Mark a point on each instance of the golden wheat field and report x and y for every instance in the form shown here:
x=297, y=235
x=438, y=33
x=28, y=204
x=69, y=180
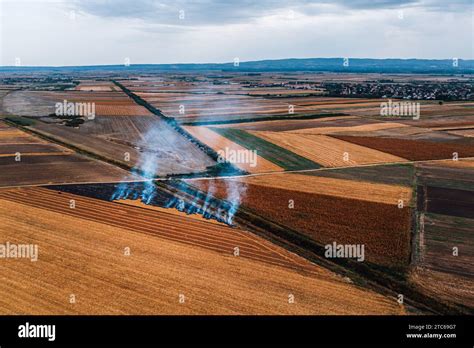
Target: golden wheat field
x=327, y=151
x=360, y=128
x=86, y=259
x=365, y=191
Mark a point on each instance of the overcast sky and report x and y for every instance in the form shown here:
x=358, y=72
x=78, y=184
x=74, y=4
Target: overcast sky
x=90, y=32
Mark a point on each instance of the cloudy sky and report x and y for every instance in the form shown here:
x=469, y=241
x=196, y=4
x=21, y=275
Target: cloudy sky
x=90, y=32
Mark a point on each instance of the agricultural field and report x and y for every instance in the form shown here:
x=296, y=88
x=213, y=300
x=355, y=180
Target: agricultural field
x=276, y=154
x=134, y=141
x=42, y=103
x=395, y=174
x=161, y=267
x=154, y=170
x=327, y=151
x=96, y=86
x=328, y=210
x=22, y=154
x=445, y=202
x=211, y=101
x=224, y=145
x=415, y=150
x=121, y=131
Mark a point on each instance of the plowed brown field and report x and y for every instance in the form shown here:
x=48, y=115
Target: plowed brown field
x=415, y=150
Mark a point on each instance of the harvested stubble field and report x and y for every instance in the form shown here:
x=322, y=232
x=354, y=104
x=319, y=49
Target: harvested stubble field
x=326, y=151
x=49, y=162
x=140, y=136
x=415, y=150
x=13, y=140
x=207, y=235
x=466, y=163
x=139, y=203
x=288, y=125
x=276, y=154
x=370, y=127
x=428, y=110
x=411, y=133
x=332, y=102
x=220, y=143
x=383, y=228
x=76, y=252
x=58, y=169
x=442, y=122
x=463, y=132
x=366, y=191
x=31, y=149
x=447, y=174
x=40, y=104
x=219, y=107
x=96, y=86
x=392, y=174
x=439, y=273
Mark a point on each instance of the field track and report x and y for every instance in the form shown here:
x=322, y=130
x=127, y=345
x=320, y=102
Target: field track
x=214, y=237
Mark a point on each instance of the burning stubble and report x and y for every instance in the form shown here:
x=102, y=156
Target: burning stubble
x=204, y=204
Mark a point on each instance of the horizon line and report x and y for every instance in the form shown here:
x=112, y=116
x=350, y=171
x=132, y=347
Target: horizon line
x=230, y=62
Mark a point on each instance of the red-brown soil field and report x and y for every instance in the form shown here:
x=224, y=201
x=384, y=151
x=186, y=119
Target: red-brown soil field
x=415, y=150
x=383, y=228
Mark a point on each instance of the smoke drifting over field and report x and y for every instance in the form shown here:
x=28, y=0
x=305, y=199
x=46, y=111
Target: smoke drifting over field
x=234, y=192
x=147, y=167
x=191, y=201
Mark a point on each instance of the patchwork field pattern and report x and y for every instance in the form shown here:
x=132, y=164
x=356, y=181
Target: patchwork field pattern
x=446, y=226
x=271, y=152
x=329, y=169
x=43, y=104
x=327, y=212
x=159, y=269
x=220, y=143
x=22, y=154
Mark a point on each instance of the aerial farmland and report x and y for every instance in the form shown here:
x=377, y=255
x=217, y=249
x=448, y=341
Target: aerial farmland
x=221, y=193
x=200, y=172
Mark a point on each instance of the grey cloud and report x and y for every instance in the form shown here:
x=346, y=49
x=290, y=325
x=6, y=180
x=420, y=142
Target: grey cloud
x=212, y=12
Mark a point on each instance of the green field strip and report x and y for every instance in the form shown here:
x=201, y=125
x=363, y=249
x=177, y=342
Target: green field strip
x=280, y=156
